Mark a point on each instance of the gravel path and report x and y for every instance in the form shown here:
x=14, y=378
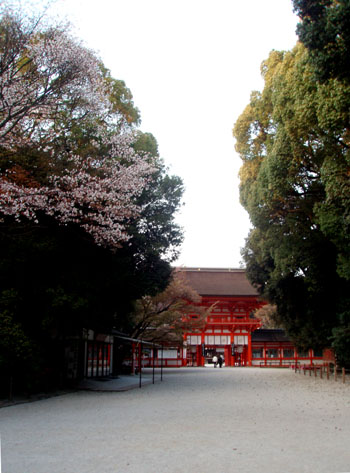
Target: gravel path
x=197, y=420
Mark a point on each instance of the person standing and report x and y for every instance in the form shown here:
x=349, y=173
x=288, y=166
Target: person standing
x=221, y=360
x=215, y=360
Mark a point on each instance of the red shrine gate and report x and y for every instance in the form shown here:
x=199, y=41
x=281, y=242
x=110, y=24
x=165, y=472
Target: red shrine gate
x=230, y=323
x=230, y=329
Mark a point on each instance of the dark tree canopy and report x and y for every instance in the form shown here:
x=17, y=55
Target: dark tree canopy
x=325, y=31
x=56, y=278
x=293, y=139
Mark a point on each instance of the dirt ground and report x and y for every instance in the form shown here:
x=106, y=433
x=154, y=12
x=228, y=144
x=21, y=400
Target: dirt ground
x=197, y=420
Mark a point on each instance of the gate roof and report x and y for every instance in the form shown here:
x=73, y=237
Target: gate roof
x=219, y=282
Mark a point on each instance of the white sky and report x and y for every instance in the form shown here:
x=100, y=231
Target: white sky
x=191, y=66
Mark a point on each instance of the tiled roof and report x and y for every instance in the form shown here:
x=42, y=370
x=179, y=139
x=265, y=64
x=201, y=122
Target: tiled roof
x=219, y=282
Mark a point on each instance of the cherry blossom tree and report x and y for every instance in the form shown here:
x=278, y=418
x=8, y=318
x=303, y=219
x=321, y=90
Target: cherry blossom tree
x=42, y=69
x=49, y=83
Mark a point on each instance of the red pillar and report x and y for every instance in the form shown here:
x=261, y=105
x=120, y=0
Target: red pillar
x=249, y=354
x=199, y=355
x=227, y=356
x=232, y=358
x=183, y=358
x=202, y=358
x=133, y=356
x=280, y=351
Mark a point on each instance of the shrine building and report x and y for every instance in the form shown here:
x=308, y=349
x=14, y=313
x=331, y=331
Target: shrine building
x=231, y=301
x=231, y=329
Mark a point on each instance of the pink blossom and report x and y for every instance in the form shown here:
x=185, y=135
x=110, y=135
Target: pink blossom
x=44, y=74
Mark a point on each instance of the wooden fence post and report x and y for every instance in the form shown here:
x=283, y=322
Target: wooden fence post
x=343, y=374
x=321, y=372
x=327, y=370
x=335, y=372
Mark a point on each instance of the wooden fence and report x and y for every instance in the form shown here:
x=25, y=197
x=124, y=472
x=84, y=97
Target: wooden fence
x=325, y=370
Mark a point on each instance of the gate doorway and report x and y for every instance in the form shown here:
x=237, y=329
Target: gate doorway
x=210, y=352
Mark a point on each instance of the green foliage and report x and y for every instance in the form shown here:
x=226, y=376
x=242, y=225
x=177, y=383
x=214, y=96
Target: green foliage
x=146, y=142
x=325, y=30
x=293, y=140
x=19, y=355
x=155, y=233
x=341, y=341
x=121, y=97
x=15, y=346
